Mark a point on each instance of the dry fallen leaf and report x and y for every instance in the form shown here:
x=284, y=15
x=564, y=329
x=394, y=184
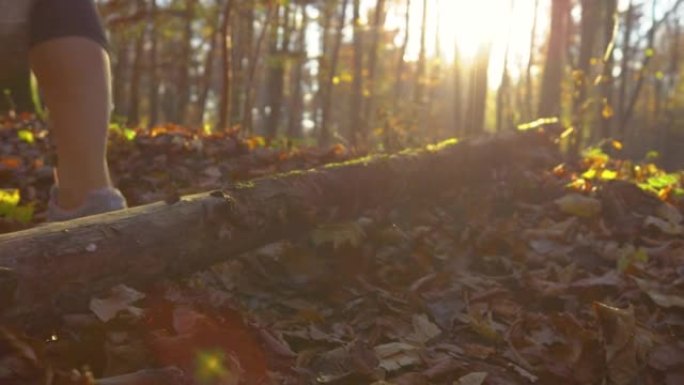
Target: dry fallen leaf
x=657, y=293
x=396, y=355
x=667, y=227
x=121, y=298
x=579, y=205
x=423, y=329
x=338, y=234
x=618, y=328
x=475, y=378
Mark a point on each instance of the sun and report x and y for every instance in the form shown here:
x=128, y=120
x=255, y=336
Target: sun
x=470, y=24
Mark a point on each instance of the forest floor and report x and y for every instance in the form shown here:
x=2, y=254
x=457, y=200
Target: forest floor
x=569, y=275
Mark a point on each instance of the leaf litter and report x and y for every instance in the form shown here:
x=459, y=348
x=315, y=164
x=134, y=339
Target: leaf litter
x=544, y=277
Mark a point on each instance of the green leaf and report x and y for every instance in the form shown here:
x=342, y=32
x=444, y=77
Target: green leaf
x=10, y=209
x=662, y=181
x=129, y=134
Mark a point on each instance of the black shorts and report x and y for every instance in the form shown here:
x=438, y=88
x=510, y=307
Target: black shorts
x=51, y=19
x=27, y=23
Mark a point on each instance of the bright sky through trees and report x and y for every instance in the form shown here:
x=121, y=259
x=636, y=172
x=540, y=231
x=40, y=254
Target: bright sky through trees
x=468, y=24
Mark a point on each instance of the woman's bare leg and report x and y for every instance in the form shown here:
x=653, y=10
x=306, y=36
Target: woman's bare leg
x=74, y=75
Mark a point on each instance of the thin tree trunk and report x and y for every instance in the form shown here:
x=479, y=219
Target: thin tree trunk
x=247, y=122
x=626, y=60
x=325, y=22
x=330, y=86
x=207, y=77
x=226, y=70
x=477, y=97
x=136, y=76
x=183, y=90
x=589, y=30
x=294, y=126
x=401, y=64
x=550, y=97
x=529, y=87
x=607, y=83
x=421, y=75
x=649, y=53
x=357, y=130
x=154, y=71
x=276, y=72
x=378, y=22
x=458, y=91
x=120, y=71
x=503, y=94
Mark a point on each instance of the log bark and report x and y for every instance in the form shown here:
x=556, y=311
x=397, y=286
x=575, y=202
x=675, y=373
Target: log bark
x=61, y=265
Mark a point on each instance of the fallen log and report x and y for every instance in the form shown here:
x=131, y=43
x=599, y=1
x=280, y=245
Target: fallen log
x=55, y=266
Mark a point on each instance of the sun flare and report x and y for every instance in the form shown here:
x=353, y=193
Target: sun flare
x=469, y=25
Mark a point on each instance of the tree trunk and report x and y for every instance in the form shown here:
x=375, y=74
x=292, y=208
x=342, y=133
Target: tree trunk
x=529, y=87
x=136, y=76
x=119, y=75
x=607, y=85
x=59, y=266
x=247, y=121
x=226, y=70
x=183, y=89
x=589, y=30
x=154, y=71
x=477, y=97
x=504, y=120
x=207, y=78
x=626, y=60
x=421, y=71
x=550, y=97
x=357, y=130
x=378, y=22
x=294, y=125
x=458, y=92
x=325, y=136
x=275, y=78
x=401, y=64
x=646, y=61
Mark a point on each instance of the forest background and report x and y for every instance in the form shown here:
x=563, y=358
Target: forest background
x=394, y=73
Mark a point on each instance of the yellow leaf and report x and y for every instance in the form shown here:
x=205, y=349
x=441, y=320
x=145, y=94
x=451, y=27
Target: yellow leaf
x=607, y=111
x=10, y=197
x=650, y=52
x=336, y=80
x=26, y=136
x=608, y=175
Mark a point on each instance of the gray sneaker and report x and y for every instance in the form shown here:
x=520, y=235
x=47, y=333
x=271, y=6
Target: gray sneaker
x=97, y=202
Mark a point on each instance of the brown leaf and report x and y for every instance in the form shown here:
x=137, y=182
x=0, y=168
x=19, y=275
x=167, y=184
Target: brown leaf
x=618, y=327
x=121, y=298
x=397, y=355
x=658, y=294
x=475, y=378
x=579, y=205
x=423, y=329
